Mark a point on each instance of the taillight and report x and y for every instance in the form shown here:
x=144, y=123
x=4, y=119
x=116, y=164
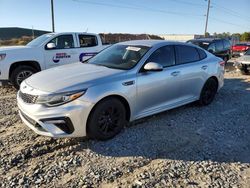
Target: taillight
x=222, y=63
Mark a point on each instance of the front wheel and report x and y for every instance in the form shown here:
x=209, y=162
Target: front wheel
x=208, y=92
x=107, y=119
x=21, y=73
x=244, y=70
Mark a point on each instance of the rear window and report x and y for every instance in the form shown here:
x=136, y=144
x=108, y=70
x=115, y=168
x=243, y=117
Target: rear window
x=87, y=41
x=186, y=54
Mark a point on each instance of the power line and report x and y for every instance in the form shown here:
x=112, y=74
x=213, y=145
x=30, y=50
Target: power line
x=230, y=11
x=138, y=8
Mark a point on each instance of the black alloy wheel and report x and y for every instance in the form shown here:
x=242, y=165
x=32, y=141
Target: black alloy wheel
x=107, y=119
x=208, y=92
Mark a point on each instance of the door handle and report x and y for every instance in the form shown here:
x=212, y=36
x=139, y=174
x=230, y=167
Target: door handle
x=204, y=67
x=175, y=73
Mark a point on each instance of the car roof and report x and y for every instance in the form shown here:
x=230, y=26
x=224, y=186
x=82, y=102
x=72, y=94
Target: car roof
x=150, y=43
x=207, y=39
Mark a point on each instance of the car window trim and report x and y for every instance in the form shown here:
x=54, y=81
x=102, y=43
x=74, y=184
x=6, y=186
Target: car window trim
x=142, y=69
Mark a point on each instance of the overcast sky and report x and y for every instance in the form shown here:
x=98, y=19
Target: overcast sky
x=128, y=16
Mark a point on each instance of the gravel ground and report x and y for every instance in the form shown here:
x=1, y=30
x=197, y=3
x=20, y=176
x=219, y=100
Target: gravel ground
x=190, y=146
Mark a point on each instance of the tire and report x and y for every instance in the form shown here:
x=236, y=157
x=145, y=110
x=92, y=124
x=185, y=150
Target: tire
x=21, y=73
x=244, y=70
x=208, y=92
x=225, y=59
x=107, y=119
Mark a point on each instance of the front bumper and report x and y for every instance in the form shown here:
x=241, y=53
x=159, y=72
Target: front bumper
x=68, y=120
x=4, y=82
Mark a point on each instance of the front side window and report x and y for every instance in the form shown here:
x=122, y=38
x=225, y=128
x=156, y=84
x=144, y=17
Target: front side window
x=63, y=42
x=87, y=41
x=186, y=54
x=120, y=56
x=164, y=56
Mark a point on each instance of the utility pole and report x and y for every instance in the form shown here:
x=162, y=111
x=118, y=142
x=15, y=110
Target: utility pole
x=208, y=8
x=52, y=14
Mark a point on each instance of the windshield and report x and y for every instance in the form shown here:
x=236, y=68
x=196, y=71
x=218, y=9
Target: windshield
x=120, y=56
x=39, y=40
x=201, y=44
x=247, y=52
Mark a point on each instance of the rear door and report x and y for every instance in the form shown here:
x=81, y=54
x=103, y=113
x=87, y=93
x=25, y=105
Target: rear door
x=63, y=53
x=192, y=67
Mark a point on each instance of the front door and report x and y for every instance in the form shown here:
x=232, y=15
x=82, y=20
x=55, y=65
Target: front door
x=63, y=53
x=157, y=89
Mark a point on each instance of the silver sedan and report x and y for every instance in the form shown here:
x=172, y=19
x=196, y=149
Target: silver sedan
x=125, y=82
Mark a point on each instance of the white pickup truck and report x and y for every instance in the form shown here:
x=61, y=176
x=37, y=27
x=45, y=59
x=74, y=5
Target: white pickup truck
x=47, y=51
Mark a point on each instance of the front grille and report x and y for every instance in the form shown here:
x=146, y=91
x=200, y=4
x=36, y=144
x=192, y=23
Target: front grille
x=27, y=98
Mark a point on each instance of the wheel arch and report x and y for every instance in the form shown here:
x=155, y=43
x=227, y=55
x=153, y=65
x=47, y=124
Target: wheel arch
x=120, y=98
x=33, y=64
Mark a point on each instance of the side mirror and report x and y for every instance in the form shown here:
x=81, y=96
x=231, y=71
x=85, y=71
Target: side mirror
x=151, y=66
x=51, y=45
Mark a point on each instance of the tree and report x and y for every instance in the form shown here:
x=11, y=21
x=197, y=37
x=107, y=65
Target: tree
x=245, y=36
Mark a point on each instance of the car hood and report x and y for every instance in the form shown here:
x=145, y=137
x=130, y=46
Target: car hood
x=71, y=77
x=9, y=48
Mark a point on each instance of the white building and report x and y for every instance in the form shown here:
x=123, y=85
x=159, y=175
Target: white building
x=180, y=37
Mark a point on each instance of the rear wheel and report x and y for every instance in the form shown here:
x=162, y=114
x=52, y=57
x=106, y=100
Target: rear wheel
x=107, y=119
x=21, y=73
x=208, y=92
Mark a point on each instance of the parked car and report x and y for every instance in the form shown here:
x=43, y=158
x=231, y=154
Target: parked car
x=243, y=62
x=219, y=47
x=47, y=51
x=125, y=82
x=240, y=48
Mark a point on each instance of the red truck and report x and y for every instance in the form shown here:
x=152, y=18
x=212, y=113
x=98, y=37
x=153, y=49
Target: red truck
x=237, y=49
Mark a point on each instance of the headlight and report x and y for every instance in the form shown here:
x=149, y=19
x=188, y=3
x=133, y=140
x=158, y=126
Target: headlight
x=59, y=98
x=2, y=56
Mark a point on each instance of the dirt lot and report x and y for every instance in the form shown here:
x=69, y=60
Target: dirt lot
x=190, y=146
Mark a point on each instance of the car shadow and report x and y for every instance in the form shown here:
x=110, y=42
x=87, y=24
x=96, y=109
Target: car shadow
x=218, y=132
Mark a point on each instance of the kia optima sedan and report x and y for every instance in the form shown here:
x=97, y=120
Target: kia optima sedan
x=125, y=82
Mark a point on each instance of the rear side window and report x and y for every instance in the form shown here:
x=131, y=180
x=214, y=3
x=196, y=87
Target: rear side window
x=164, y=56
x=202, y=54
x=219, y=45
x=87, y=41
x=186, y=54
x=227, y=44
